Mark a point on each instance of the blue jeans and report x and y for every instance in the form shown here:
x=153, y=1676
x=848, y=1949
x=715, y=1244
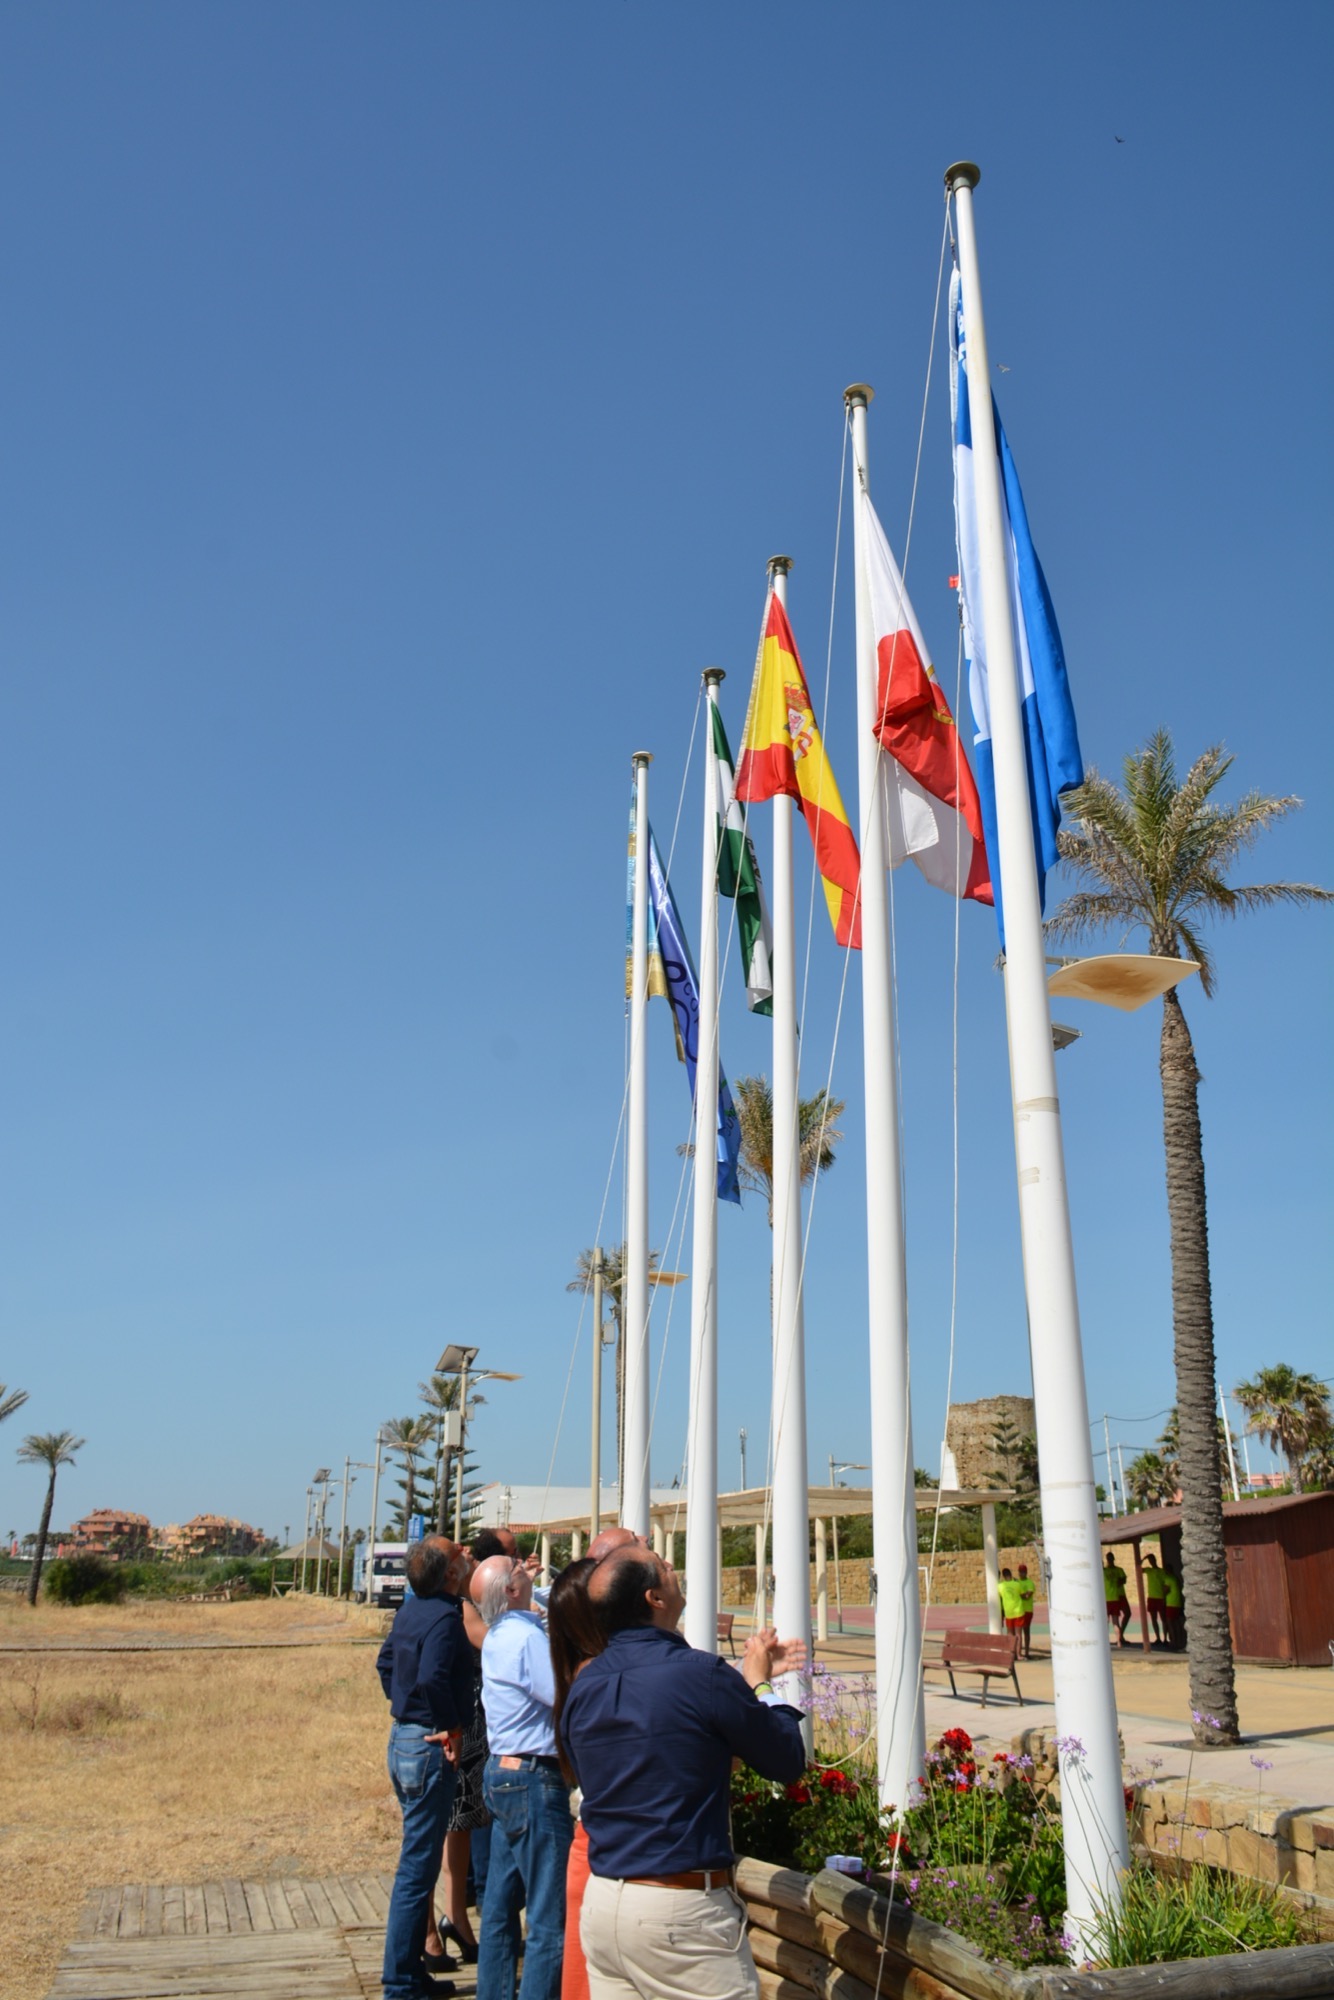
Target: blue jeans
x=424, y=1784
x=531, y=1832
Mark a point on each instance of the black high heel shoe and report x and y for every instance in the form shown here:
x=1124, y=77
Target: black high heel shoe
x=449, y=1934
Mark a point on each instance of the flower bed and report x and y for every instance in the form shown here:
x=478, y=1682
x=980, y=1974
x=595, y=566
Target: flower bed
x=830, y=1937
x=978, y=1858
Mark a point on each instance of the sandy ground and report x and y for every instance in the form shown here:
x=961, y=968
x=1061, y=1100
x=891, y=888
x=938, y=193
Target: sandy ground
x=202, y=1757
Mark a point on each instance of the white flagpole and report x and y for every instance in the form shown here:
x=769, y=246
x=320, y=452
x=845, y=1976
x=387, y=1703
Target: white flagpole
x=791, y=1501
x=1092, y=1805
x=702, y=1577
x=901, y=1731
x=703, y=1581
x=635, y=1480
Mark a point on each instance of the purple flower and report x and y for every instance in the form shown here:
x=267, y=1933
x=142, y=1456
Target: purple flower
x=1070, y=1746
x=1262, y=1763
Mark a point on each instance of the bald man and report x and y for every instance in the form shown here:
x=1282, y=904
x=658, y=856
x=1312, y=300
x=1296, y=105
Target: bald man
x=651, y=1727
x=614, y=1538
x=527, y=1797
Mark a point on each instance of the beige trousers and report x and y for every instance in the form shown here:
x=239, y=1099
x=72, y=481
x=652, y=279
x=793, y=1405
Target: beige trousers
x=665, y=1944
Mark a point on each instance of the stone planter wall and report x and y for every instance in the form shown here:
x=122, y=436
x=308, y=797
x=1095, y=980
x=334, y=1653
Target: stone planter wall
x=826, y=1937
x=1279, y=1841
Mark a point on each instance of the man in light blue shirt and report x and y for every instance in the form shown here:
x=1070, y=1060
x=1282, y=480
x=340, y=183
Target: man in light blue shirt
x=523, y=1787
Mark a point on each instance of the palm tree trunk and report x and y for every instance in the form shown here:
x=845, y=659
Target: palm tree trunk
x=1203, y=1558
x=35, y=1579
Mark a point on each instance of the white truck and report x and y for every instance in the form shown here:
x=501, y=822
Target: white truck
x=387, y=1580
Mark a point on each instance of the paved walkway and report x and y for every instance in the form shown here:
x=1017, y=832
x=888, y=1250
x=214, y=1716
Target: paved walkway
x=1287, y=1714
x=281, y=1939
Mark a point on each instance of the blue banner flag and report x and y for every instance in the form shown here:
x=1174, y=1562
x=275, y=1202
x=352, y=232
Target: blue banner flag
x=1051, y=740
x=672, y=974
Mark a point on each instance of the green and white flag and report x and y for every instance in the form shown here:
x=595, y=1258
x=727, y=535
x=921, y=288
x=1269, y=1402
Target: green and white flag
x=739, y=876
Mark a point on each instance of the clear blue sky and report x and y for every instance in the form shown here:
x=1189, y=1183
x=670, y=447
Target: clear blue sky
x=399, y=407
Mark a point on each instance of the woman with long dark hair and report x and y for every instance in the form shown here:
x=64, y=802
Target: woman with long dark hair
x=575, y=1637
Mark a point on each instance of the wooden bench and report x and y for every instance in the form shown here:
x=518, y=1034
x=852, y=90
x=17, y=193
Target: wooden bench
x=726, y=1620
x=985, y=1653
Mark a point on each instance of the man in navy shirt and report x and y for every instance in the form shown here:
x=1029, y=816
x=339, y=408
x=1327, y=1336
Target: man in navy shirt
x=426, y=1670
x=651, y=1728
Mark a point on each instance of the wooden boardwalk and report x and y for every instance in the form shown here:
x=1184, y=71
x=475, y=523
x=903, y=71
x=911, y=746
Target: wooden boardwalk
x=281, y=1939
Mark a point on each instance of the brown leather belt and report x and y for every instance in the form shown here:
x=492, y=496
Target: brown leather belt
x=693, y=1878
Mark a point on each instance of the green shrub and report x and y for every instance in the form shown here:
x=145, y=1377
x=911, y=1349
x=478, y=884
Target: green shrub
x=83, y=1580
x=1201, y=1915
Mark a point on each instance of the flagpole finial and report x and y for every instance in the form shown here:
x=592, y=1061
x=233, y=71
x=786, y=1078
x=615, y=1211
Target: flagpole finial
x=779, y=565
x=962, y=174
x=858, y=392
x=712, y=676
x=642, y=759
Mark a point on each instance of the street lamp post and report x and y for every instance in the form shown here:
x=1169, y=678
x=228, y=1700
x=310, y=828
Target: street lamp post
x=305, y=1540
x=458, y=1360
x=342, y=1526
x=595, y=1488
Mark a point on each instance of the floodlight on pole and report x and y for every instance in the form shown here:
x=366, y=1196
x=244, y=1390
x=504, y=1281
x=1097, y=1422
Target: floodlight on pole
x=1124, y=979
x=458, y=1360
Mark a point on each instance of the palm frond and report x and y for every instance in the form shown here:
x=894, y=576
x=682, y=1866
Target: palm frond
x=1087, y=911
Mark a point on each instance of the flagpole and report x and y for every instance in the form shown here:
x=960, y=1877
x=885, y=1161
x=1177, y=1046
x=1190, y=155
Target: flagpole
x=900, y=1728
x=1092, y=1804
x=702, y=1577
x=635, y=1479
x=791, y=1503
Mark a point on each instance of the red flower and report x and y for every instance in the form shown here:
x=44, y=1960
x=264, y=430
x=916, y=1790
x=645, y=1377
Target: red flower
x=836, y=1781
x=897, y=1843
x=957, y=1741
x=799, y=1794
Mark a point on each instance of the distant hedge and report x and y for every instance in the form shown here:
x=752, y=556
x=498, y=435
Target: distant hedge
x=83, y=1580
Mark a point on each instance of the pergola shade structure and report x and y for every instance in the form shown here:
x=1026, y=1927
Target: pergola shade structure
x=753, y=1507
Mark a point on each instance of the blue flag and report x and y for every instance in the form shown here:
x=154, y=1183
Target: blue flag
x=671, y=973
x=1051, y=740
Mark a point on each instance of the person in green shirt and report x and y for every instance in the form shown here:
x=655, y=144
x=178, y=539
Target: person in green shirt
x=1029, y=1592
x=1155, y=1584
x=1012, y=1605
x=1114, y=1590
x=1172, y=1610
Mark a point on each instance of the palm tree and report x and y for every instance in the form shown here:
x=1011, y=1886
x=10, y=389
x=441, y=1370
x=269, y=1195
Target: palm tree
x=613, y=1281
x=1169, y=1448
x=1287, y=1410
x=409, y=1437
x=11, y=1400
x=1156, y=856
x=1150, y=1480
x=55, y=1449
x=817, y=1135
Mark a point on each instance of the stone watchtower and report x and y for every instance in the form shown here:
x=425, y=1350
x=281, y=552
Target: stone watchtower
x=969, y=1431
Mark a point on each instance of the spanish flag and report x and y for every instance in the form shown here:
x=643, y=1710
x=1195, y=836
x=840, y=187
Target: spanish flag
x=782, y=755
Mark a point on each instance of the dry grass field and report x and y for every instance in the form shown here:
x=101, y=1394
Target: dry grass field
x=180, y=1765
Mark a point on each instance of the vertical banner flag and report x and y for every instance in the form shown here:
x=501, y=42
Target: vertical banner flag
x=739, y=876
x=935, y=815
x=672, y=977
x=1051, y=740
x=782, y=756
